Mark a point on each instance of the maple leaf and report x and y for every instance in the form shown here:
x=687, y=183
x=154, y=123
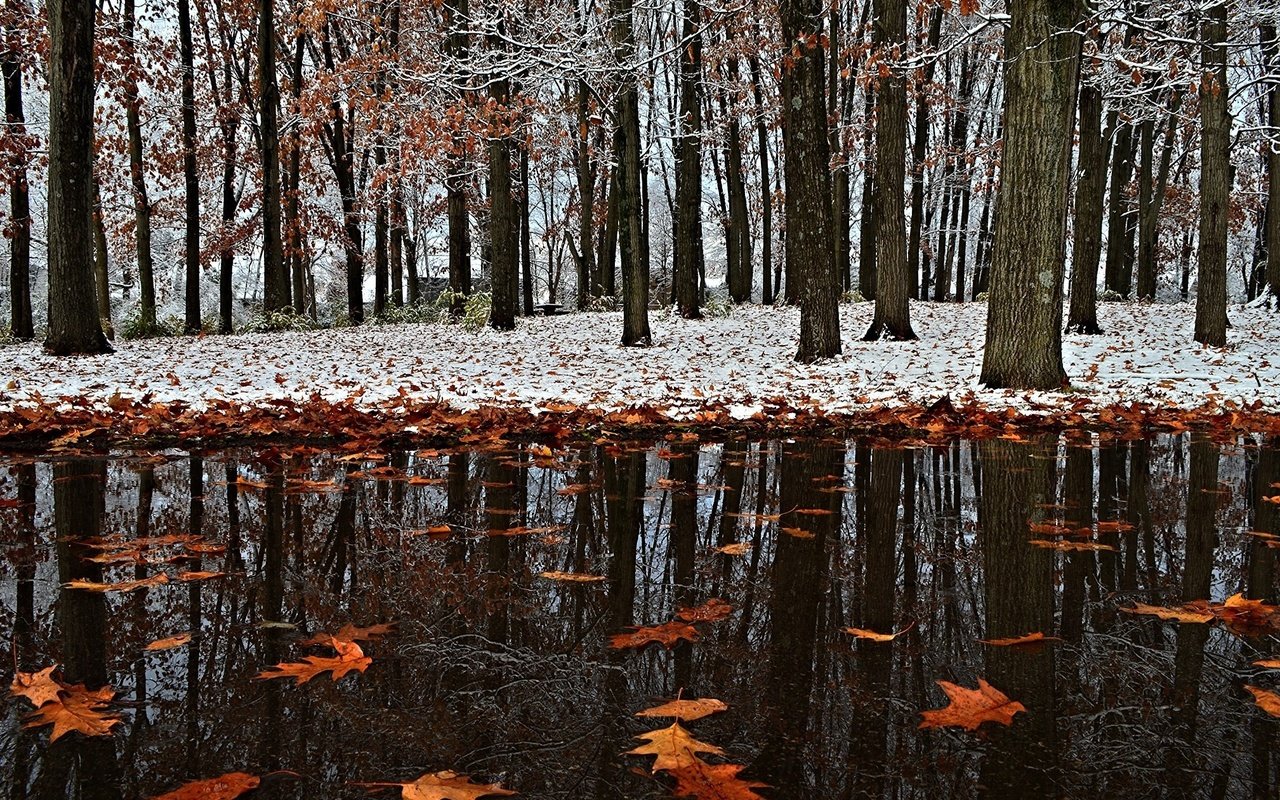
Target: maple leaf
x=223, y=787
x=714, y=610
x=969, y=708
x=687, y=710
x=1268, y=701
x=443, y=785
x=872, y=636
x=169, y=642
x=1019, y=641
x=1245, y=617
x=38, y=687
x=1186, y=613
x=572, y=577
x=673, y=748
x=714, y=782
x=76, y=709
x=667, y=634
x=350, y=658
x=352, y=633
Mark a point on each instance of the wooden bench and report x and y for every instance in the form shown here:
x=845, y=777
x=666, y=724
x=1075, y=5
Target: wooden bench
x=549, y=309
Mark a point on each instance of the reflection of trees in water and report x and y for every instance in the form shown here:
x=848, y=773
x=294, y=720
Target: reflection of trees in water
x=501, y=673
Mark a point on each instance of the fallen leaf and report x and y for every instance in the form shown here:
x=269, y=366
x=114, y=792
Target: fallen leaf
x=223, y=787
x=1070, y=546
x=686, y=710
x=1184, y=614
x=159, y=579
x=1268, y=701
x=969, y=708
x=1245, y=617
x=352, y=633
x=572, y=577
x=1268, y=663
x=38, y=687
x=76, y=709
x=672, y=747
x=667, y=634
x=444, y=785
x=735, y=549
x=714, y=610
x=350, y=658
x=1018, y=641
x=196, y=575
x=714, y=782
x=169, y=643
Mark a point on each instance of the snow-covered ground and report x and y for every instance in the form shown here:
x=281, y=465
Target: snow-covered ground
x=1146, y=355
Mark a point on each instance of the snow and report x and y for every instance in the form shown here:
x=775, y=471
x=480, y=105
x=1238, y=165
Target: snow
x=742, y=362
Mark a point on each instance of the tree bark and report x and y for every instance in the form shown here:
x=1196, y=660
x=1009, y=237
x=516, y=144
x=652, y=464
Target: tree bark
x=868, y=223
x=1215, y=180
x=767, y=288
x=190, y=171
x=138, y=180
x=1149, y=210
x=275, y=280
x=688, y=252
x=74, y=326
x=627, y=190
x=892, y=318
x=919, y=148
x=1091, y=186
x=810, y=244
x=1024, y=315
x=502, y=213
x=21, y=324
x=739, y=267
x=1271, y=49
x=101, y=264
x=526, y=236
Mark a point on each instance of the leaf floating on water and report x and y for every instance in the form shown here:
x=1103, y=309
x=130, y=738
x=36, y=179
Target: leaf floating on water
x=444, y=785
x=169, y=643
x=1071, y=546
x=873, y=636
x=714, y=610
x=352, y=633
x=37, y=687
x=686, y=710
x=1268, y=663
x=969, y=708
x=1245, y=617
x=223, y=787
x=1267, y=701
x=668, y=634
x=714, y=782
x=196, y=575
x=799, y=533
x=350, y=658
x=76, y=709
x=1021, y=641
x=1187, y=613
x=572, y=577
x=673, y=748
x=159, y=579
x=735, y=549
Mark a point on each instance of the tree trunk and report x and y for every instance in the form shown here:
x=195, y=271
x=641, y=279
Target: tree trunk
x=1118, y=209
x=21, y=325
x=275, y=280
x=1091, y=187
x=1024, y=316
x=688, y=155
x=138, y=180
x=1271, y=49
x=810, y=243
x=74, y=326
x=526, y=236
x=1149, y=211
x=502, y=214
x=1215, y=180
x=868, y=224
x=919, y=148
x=587, y=286
x=892, y=318
x=457, y=20
x=631, y=238
x=767, y=288
x=739, y=267
x=190, y=172
x=101, y=264
x=226, y=258
x=341, y=145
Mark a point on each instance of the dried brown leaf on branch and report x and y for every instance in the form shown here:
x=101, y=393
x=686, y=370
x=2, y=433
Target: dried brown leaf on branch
x=668, y=634
x=443, y=785
x=349, y=658
x=672, y=748
x=686, y=710
x=969, y=708
x=223, y=787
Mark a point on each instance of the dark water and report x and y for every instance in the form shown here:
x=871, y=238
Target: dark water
x=507, y=676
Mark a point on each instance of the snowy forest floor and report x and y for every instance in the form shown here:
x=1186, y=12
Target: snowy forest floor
x=729, y=368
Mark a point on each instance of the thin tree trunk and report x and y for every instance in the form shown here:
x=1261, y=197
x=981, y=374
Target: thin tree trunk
x=1091, y=186
x=587, y=286
x=688, y=251
x=1215, y=180
x=502, y=213
x=739, y=267
x=341, y=145
x=892, y=318
x=526, y=236
x=275, y=278
x=1024, y=316
x=1271, y=49
x=810, y=242
x=74, y=326
x=631, y=234
x=1118, y=209
x=767, y=287
x=1149, y=221
x=21, y=325
x=868, y=224
x=190, y=171
x=138, y=180
x=457, y=44
x=101, y=263
x=919, y=148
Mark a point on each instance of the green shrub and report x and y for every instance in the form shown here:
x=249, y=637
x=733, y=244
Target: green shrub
x=409, y=314
x=133, y=327
x=286, y=319
x=717, y=306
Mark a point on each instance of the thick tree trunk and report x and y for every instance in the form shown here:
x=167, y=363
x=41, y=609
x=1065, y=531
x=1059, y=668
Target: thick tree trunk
x=627, y=190
x=502, y=215
x=21, y=325
x=1215, y=180
x=739, y=267
x=892, y=319
x=1024, y=316
x=807, y=169
x=138, y=181
x=74, y=326
x=190, y=172
x=1118, y=210
x=275, y=279
x=1091, y=187
x=688, y=217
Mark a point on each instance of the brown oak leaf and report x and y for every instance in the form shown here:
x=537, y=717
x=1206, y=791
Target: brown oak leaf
x=969, y=708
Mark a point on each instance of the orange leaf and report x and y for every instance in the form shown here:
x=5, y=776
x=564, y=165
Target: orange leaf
x=714, y=782
x=1266, y=700
x=1065, y=546
x=1026, y=639
x=687, y=710
x=713, y=610
x=38, y=687
x=666, y=634
x=1184, y=614
x=350, y=658
x=1245, y=617
x=351, y=633
x=872, y=636
x=1268, y=663
x=572, y=577
x=444, y=785
x=169, y=643
x=673, y=747
x=969, y=708
x=76, y=709
x=735, y=549
x=159, y=579
x=223, y=787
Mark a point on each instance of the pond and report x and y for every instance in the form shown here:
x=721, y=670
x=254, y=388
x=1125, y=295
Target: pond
x=488, y=587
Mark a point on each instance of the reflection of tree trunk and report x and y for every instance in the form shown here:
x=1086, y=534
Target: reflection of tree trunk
x=24, y=622
x=499, y=498
x=195, y=526
x=138, y=600
x=269, y=742
x=1018, y=589
x=1078, y=494
x=78, y=503
x=796, y=591
x=684, y=535
x=1266, y=519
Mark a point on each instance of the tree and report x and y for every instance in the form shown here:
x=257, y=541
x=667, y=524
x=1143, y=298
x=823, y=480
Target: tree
x=626, y=193
x=275, y=278
x=1215, y=179
x=1091, y=186
x=137, y=175
x=810, y=244
x=74, y=326
x=1024, y=314
x=189, y=170
x=20, y=322
x=892, y=315
x=1271, y=50
x=688, y=251
x=502, y=209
